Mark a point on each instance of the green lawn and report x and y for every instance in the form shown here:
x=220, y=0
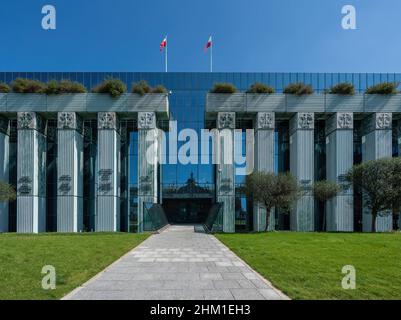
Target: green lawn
x=76, y=257
x=308, y=265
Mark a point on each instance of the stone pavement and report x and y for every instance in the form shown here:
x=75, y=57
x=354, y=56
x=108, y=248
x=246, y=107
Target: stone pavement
x=178, y=264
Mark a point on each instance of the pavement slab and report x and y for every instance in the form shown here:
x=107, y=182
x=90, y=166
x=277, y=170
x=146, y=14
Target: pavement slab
x=178, y=264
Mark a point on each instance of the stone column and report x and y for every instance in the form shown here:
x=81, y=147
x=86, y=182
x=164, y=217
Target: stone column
x=264, y=161
x=225, y=173
x=4, y=168
x=148, y=150
x=108, y=173
x=302, y=167
x=339, y=159
x=376, y=144
x=31, y=174
x=69, y=173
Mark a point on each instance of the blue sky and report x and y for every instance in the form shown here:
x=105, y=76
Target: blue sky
x=249, y=35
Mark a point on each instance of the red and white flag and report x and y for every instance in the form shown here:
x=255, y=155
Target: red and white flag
x=208, y=44
x=163, y=44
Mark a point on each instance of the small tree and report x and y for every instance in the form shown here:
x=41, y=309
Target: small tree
x=375, y=180
x=396, y=189
x=324, y=191
x=271, y=190
x=7, y=192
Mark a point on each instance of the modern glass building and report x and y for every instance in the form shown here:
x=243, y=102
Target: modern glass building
x=315, y=138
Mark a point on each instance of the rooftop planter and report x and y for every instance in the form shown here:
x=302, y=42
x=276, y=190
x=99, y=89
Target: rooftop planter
x=220, y=102
x=17, y=102
x=382, y=103
x=265, y=102
x=307, y=103
x=383, y=97
x=86, y=102
x=344, y=103
x=300, y=97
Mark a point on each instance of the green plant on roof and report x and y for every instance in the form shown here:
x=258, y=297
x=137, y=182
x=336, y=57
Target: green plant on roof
x=260, y=88
x=298, y=89
x=383, y=88
x=223, y=88
x=114, y=87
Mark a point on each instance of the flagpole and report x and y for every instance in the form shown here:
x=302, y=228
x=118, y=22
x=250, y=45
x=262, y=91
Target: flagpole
x=211, y=57
x=166, y=53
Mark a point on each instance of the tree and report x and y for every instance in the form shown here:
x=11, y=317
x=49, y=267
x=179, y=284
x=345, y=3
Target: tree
x=396, y=190
x=7, y=192
x=374, y=179
x=271, y=190
x=323, y=191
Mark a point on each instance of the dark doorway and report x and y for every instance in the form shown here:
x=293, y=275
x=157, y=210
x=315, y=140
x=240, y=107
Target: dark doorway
x=187, y=210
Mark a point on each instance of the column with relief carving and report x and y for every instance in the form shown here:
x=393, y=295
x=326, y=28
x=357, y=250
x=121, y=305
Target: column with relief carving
x=69, y=173
x=4, y=168
x=302, y=127
x=225, y=169
x=148, y=150
x=31, y=174
x=264, y=161
x=339, y=159
x=108, y=173
x=376, y=144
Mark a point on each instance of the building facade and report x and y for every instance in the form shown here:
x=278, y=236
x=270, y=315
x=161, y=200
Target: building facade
x=79, y=162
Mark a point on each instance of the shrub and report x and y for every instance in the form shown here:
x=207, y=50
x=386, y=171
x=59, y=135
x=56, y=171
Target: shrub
x=260, y=88
x=4, y=88
x=64, y=86
x=223, y=88
x=7, y=192
x=113, y=87
x=298, y=89
x=383, y=88
x=141, y=87
x=20, y=85
x=159, y=89
x=343, y=88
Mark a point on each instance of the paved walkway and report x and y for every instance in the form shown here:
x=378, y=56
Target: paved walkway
x=178, y=264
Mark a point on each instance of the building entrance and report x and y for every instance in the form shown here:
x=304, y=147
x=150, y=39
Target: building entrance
x=187, y=210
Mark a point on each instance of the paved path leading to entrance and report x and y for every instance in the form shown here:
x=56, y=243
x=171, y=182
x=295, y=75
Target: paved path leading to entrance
x=178, y=264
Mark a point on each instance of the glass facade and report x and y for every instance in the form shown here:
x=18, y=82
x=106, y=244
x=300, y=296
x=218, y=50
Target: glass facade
x=187, y=106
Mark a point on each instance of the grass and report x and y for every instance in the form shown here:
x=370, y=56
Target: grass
x=76, y=258
x=308, y=265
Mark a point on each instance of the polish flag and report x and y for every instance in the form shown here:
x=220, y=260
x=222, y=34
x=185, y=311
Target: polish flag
x=208, y=44
x=163, y=44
